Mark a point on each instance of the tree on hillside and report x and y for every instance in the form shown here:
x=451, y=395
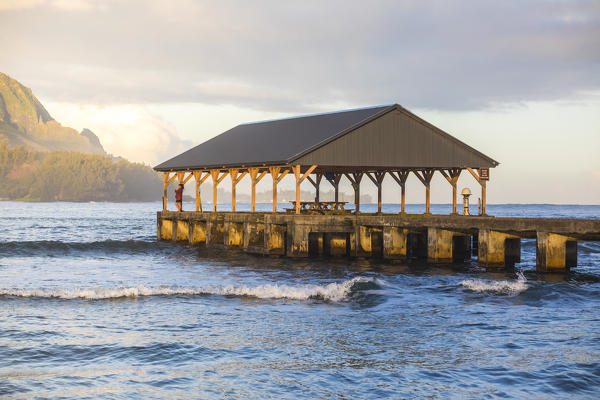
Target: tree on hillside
x=72, y=176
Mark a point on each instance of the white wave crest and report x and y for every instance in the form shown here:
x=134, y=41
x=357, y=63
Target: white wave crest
x=503, y=287
x=331, y=292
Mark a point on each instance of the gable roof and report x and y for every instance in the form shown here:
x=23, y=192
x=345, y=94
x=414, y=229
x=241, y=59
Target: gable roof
x=289, y=140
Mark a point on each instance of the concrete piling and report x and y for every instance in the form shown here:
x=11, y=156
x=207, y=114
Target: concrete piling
x=215, y=228
x=233, y=234
x=275, y=238
x=166, y=230
x=395, y=243
x=362, y=241
x=182, y=231
x=297, y=243
x=439, y=245
x=198, y=232
x=555, y=252
x=498, y=249
x=254, y=235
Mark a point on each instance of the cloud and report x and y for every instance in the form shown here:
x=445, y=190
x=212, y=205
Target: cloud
x=129, y=131
x=296, y=57
x=68, y=5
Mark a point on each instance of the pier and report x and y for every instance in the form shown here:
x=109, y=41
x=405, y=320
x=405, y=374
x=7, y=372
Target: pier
x=437, y=238
x=373, y=143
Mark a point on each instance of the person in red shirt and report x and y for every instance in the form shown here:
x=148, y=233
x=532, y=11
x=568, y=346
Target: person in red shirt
x=179, y=197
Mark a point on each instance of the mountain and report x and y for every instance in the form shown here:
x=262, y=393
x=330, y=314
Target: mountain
x=41, y=160
x=25, y=122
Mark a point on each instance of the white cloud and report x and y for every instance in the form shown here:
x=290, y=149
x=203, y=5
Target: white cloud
x=129, y=131
x=67, y=5
x=19, y=4
x=282, y=56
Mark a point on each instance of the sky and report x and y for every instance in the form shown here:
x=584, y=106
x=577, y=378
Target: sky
x=517, y=80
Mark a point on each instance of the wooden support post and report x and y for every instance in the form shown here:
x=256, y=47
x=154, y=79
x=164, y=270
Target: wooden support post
x=316, y=183
x=377, y=179
x=296, y=170
x=452, y=178
x=403, y=199
x=233, y=173
x=483, y=196
x=214, y=173
x=277, y=175
x=165, y=184
x=274, y=171
x=334, y=179
x=299, y=179
x=357, y=178
x=483, y=184
x=199, y=180
x=425, y=176
x=400, y=177
x=255, y=177
x=318, y=188
x=197, y=175
x=355, y=181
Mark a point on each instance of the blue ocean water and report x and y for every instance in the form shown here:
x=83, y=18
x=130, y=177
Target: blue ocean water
x=91, y=306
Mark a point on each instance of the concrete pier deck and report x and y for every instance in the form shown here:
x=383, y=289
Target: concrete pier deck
x=438, y=238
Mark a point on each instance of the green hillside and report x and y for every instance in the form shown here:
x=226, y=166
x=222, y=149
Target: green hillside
x=71, y=176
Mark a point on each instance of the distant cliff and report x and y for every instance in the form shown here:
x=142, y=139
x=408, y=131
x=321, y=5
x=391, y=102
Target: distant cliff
x=25, y=122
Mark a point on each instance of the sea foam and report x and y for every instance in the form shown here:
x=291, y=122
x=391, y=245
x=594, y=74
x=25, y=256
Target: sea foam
x=331, y=292
x=501, y=287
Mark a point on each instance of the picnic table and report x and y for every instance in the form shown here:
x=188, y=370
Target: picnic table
x=321, y=207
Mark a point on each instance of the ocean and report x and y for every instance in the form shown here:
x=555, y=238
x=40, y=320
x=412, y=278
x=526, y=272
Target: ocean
x=92, y=306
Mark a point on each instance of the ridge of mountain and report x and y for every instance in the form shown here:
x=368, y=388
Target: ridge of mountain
x=24, y=121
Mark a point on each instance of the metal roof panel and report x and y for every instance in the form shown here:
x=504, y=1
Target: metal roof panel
x=268, y=142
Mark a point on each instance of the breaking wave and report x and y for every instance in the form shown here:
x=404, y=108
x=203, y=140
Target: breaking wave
x=332, y=292
x=501, y=287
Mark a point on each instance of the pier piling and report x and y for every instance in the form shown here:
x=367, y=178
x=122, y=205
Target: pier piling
x=197, y=232
x=182, y=230
x=439, y=245
x=498, y=249
x=395, y=243
x=555, y=252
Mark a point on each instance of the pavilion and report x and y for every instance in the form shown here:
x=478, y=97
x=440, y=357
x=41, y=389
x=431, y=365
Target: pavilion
x=370, y=142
